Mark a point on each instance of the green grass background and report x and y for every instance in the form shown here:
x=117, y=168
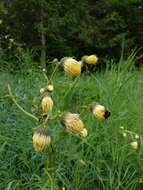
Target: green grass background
x=102, y=161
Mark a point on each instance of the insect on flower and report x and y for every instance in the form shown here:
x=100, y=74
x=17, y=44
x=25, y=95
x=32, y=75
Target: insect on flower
x=100, y=111
x=41, y=139
x=74, y=124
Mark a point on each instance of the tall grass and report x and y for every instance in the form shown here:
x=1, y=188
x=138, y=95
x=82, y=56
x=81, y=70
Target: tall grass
x=102, y=161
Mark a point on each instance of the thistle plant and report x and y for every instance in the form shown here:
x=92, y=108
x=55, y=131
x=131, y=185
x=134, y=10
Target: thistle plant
x=44, y=115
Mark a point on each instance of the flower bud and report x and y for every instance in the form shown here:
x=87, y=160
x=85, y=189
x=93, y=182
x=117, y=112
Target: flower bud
x=41, y=139
x=50, y=88
x=72, y=67
x=100, y=111
x=47, y=104
x=134, y=145
x=42, y=90
x=91, y=59
x=137, y=136
x=74, y=124
x=124, y=134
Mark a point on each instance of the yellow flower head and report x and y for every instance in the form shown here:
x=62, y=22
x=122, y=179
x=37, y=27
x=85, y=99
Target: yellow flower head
x=72, y=67
x=41, y=139
x=100, y=111
x=134, y=145
x=91, y=59
x=47, y=104
x=74, y=124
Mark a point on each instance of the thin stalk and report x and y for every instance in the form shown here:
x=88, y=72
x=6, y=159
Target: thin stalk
x=22, y=109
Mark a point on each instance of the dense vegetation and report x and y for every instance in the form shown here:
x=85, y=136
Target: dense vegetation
x=100, y=42
x=70, y=28
x=104, y=160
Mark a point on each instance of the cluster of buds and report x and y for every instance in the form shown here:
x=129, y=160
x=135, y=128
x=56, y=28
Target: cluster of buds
x=41, y=136
x=134, y=144
x=49, y=88
x=71, y=121
x=73, y=67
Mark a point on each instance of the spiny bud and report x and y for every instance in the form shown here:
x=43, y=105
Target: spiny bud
x=47, y=104
x=100, y=111
x=41, y=139
x=74, y=124
x=72, y=67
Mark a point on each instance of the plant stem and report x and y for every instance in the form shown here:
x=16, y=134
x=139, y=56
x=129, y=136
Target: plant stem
x=22, y=109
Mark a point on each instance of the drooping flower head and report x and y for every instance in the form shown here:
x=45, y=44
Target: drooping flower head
x=91, y=59
x=46, y=104
x=71, y=66
x=41, y=139
x=100, y=111
x=74, y=124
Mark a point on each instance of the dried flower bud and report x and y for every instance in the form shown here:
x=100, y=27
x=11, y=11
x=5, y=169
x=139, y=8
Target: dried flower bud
x=74, y=124
x=134, y=145
x=72, y=67
x=41, y=139
x=100, y=111
x=91, y=59
x=47, y=104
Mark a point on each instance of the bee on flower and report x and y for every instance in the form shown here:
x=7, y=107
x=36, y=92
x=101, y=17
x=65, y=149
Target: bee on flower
x=91, y=59
x=100, y=111
x=46, y=104
x=41, y=139
x=74, y=124
x=71, y=66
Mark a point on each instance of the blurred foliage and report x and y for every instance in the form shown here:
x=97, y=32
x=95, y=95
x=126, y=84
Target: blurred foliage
x=71, y=28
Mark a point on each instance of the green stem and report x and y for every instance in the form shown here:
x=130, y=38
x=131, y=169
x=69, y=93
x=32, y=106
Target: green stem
x=22, y=109
x=71, y=87
x=54, y=72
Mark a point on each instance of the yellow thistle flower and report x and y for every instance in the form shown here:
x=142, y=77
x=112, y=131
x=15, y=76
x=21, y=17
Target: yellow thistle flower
x=74, y=124
x=72, y=67
x=41, y=139
x=134, y=145
x=50, y=88
x=47, y=104
x=91, y=59
x=100, y=111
